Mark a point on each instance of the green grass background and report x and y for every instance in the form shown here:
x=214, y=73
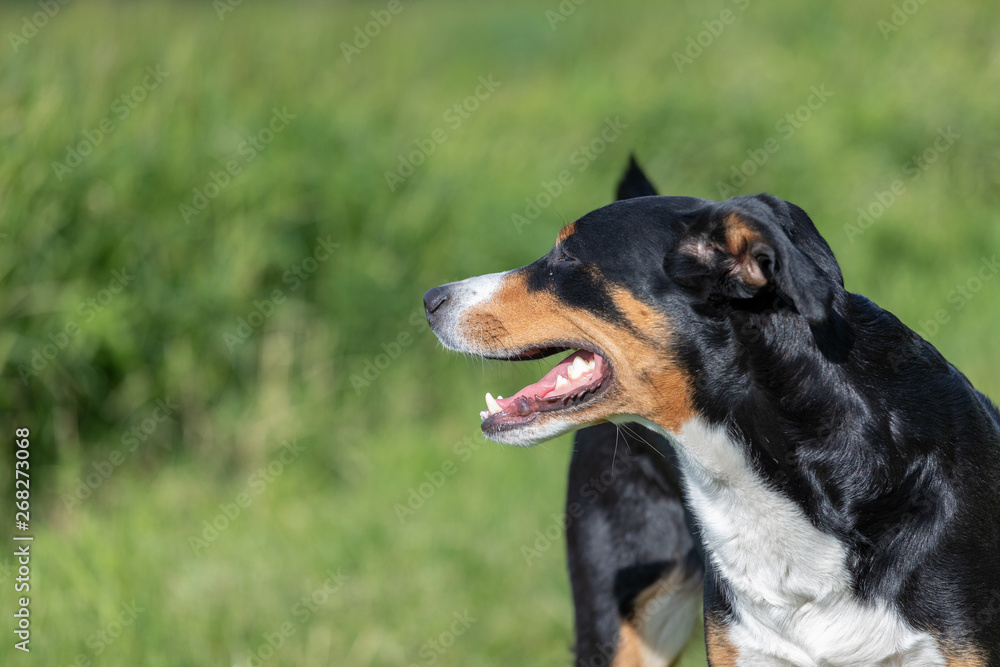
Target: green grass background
x=365, y=448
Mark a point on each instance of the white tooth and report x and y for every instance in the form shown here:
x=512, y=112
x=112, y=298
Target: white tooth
x=484, y=414
x=577, y=368
x=561, y=382
x=492, y=404
x=592, y=364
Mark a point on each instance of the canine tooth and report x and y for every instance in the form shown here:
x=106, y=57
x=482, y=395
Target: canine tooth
x=577, y=368
x=561, y=382
x=492, y=404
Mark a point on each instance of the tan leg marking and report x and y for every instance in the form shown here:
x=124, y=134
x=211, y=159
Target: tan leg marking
x=721, y=653
x=661, y=624
x=629, y=651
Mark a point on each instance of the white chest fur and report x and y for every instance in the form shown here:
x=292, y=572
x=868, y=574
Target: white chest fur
x=793, y=598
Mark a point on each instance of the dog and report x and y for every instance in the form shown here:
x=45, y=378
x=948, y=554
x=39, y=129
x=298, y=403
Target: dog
x=842, y=477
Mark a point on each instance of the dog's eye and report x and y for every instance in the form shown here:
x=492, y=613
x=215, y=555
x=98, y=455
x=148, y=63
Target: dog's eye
x=565, y=257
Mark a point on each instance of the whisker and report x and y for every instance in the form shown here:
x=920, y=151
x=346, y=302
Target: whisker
x=618, y=432
x=639, y=437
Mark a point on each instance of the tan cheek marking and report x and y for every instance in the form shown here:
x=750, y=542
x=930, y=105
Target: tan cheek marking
x=566, y=232
x=721, y=652
x=649, y=383
x=515, y=318
x=655, y=383
x=641, y=316
x=671, y=400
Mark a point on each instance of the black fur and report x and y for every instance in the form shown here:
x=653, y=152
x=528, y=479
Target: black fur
x=849, y=414
x=845, y=410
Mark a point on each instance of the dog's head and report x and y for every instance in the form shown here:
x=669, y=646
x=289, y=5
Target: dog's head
x=646, y=291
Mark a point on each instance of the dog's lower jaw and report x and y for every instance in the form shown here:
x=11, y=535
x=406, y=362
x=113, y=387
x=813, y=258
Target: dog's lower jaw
x=545, y=426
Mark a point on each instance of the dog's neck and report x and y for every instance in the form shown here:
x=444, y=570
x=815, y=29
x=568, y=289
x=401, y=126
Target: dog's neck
x=774, y=562
x=758, y=539
x=776, y=385
x=782, y=430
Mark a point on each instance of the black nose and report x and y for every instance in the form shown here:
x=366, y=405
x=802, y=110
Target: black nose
x=434, y=298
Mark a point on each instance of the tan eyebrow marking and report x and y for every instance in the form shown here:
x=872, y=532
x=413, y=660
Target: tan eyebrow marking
x=566, y=232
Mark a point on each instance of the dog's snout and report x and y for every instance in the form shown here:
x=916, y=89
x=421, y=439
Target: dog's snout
x=434, y=298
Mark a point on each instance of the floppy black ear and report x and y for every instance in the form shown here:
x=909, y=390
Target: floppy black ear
x=740, y=249
x=634, y=182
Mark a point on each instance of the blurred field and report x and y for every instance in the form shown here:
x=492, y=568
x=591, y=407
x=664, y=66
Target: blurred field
x=86, y=359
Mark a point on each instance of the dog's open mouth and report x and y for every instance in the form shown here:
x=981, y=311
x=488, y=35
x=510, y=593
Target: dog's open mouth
x=574, y=381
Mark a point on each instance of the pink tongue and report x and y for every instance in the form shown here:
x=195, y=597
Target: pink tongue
x=547, y=385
